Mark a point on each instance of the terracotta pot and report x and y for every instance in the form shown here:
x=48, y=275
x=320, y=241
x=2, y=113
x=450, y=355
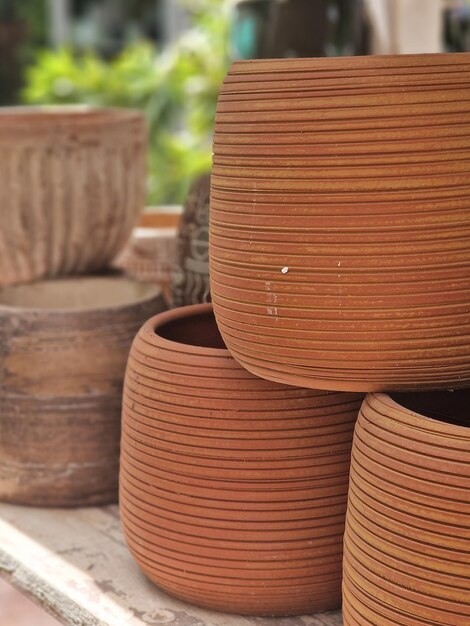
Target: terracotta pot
x=407, y=557
x=63, y=349
x=150, y=253
x=73, y=185
x=340, y=222
x=233, y=488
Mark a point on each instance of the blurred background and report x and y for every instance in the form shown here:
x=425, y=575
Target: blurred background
x=168, y=57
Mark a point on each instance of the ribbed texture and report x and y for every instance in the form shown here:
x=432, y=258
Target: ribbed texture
x=73, y=185
x=233, y=489
x=407, y=540
x=352, y=175
x=61, y=377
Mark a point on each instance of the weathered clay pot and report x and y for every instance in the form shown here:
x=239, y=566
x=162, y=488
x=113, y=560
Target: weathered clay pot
x=233, y=488
x=340, y=221
x=407, y=540
x=73, y=185
x=150, y=253
x=63, y=349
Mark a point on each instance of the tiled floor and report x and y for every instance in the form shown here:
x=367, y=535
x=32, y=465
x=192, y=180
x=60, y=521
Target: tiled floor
x=16, y=610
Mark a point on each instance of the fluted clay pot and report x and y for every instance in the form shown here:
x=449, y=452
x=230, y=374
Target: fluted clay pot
x=73, y=185
x=340, y=221
x=407, y=540
x=63, y=350
x=233, y=488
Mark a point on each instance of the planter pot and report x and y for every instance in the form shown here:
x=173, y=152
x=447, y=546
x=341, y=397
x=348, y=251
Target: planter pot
x=150, y=253
x=407, y=558
x=340, y=229
x=233, y=488
x=63, y=349
x=73, y=185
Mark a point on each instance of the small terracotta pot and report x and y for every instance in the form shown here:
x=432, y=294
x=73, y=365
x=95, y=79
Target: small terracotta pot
x=150, y=253
x=340, y=229
x=233, y=488
x=73, y=185
x=407, y=557
x=63, y=349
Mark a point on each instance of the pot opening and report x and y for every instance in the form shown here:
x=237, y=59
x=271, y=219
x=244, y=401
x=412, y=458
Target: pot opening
x=451, y=407
x=77, y=293
x=198, y=330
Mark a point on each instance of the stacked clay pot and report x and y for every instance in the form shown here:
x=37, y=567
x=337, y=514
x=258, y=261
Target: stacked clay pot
x=233, y=489
x=340, y=221
x=407, y=540
x=73, y=185
x=63, y=350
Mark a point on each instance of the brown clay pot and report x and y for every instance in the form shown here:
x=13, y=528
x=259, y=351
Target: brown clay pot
x=407, y=539
x=150, y=253
x=73, y=185
x=232, y=488
x=63, y=350
x=340, y=222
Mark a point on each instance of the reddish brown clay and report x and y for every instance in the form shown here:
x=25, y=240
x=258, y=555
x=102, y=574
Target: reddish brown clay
x=73, y=185
x=340, y=221
x=407, y=540
x=63, y=349
x=233, y=488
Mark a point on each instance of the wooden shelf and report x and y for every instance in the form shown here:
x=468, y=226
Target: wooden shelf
x=76, y=565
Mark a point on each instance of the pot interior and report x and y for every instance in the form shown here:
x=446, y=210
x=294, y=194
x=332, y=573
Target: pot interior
x=91, y=292
x=193, y=330
x=451, y=407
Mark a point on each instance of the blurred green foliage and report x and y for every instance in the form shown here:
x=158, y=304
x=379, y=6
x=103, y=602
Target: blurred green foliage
x=176, y=87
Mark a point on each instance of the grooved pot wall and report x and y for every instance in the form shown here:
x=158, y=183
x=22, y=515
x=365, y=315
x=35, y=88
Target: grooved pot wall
x=407, y=539
x=340, y=221
x=233, y=488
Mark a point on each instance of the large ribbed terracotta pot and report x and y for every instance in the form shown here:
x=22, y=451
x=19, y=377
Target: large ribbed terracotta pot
x=63, y=350
x=340, y=221
x=407, y=540
x=233, y=488
x=73, y=185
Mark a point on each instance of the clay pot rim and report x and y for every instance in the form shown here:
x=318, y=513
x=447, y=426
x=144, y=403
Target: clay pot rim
x=151, y=292
x=418, y=418
x=254, y=66
x=71, y=116
x=150, y=331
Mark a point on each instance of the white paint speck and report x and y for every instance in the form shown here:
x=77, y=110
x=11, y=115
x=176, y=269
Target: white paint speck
x=284, y=270
x=339, y=263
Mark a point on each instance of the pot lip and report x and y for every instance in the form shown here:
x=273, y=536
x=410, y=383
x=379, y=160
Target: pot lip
x=153, y=293
x=378, y=61
x=385, y=398
x=70, y=115
x=149, y=329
